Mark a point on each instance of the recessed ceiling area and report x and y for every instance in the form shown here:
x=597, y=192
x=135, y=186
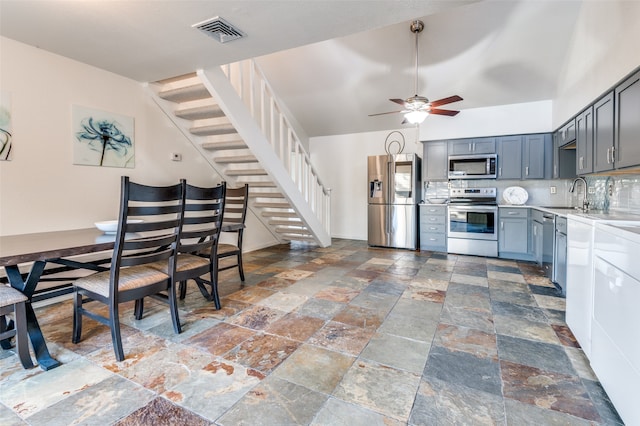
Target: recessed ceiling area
x=331, y=62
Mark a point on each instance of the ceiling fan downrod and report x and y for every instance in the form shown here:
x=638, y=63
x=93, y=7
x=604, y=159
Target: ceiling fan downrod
x=416, y=27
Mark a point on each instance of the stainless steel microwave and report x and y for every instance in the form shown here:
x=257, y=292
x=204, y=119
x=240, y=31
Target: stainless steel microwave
x=479, y=166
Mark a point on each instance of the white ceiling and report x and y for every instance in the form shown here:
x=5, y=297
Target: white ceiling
x=332, y=62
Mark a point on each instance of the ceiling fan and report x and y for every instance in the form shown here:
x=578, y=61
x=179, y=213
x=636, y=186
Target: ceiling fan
x=416, y=108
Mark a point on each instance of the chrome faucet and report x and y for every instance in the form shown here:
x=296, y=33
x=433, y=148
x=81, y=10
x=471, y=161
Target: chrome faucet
x=585, y=202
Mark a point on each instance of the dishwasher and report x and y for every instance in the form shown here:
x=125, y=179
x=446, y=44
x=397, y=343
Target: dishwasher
x=544, y=229
x=559, y=276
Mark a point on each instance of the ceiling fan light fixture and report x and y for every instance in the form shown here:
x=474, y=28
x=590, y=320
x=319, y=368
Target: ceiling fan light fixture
x=416, y=117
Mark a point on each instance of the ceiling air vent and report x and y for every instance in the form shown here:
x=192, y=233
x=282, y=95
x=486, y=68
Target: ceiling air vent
x=219, y=29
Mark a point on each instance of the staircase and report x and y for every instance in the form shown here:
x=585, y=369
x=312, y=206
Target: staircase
x=231, y=116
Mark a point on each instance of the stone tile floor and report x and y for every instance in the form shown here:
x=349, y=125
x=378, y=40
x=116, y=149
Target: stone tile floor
x=344, y=335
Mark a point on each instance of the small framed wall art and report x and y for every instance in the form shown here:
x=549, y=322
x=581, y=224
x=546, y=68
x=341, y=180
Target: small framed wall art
x=102, y=138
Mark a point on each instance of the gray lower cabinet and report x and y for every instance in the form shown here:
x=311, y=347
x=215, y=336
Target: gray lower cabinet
x=603, y=116
x=513, y=233
x=627, y=122
x=433, y=227
x=435, y=161
x=509, y=157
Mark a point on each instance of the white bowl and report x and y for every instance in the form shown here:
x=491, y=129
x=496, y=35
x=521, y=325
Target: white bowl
x=437, y=200
x=111, y=226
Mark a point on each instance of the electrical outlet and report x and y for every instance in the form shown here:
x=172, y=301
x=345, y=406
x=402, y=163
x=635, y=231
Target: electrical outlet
x=592, y=190
x=175, y=156
x=553, y=189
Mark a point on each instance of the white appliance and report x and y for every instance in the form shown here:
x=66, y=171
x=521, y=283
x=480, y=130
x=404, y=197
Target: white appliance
x=615, y=341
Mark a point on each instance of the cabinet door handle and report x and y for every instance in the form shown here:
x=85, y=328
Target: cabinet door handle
x=511, y=213
x=432, y=228
x=470, y=148
x=432, y=239
x=613, y=154
x=535, y=231
x=580, y=166
x=608, y=155
x=526, y=170
x=501, y=224
x=500, y=171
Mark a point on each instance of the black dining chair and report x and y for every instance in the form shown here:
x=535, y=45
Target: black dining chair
x=149, y=226
x=235, y=212
x=11, y=300
x=202, y=221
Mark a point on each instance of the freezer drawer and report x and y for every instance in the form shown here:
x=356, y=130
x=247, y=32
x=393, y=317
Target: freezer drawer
x=393, y=226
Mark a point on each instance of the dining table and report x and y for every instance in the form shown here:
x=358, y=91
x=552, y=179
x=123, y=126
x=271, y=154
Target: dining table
x=63, y=250
x=33, y=252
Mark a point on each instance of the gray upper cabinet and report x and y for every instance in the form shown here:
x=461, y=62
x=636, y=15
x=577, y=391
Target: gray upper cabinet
x=536, y=156
x=509, y=157
x=603, y=117
x=584, y=141
x=472, y=146
x=567, y=133
x=627, y=122
x=435, y=160
x=564, y=160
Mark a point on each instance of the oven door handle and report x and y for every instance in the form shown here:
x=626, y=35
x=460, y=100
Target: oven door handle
x=476, y=208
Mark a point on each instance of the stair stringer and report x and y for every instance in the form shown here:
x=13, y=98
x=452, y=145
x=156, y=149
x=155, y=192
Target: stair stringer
x=240, y=117
x=197, y=141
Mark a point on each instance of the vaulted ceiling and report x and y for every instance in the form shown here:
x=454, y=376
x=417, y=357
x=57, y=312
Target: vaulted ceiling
x=332, y=62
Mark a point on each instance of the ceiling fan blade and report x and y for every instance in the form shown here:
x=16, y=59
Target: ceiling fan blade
x=448, y=112
x=399, y=101
x=383, y=113
x=445, y=101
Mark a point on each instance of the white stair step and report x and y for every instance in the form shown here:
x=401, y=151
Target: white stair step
x=257, y=184
x=279, y=214
x=293, y=237
x=200, y=113
x=288, y=230
x=185, y=94
x=245, y=172
x=272, y=205
x=236, y=159
x=217, y=146
x=266, y=195
x=297, y=222
x=216, y=129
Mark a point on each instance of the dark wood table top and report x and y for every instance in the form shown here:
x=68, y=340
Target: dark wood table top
x=23, y=248
x=17, y=249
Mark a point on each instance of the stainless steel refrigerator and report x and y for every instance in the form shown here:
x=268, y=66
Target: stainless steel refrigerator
x=394, y=193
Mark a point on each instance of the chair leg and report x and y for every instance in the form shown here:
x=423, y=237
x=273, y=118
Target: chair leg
x=138, y=309
x=116, y=338
x=240, y=268
x=173, y=306
x=22, y=344
x=77, y=317
x=5, y=344
x=214, y=286
x=183, y=289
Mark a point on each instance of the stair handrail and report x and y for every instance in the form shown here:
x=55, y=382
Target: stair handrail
x=249, y=82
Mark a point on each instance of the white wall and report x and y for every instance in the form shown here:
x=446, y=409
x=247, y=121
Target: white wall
x=604, y=50
x=40, y=189
x=341, y=160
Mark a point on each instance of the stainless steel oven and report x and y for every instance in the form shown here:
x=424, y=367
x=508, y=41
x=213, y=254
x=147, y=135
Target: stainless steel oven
x=472, y=222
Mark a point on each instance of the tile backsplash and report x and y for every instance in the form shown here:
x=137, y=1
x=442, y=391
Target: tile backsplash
x=618, y=193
